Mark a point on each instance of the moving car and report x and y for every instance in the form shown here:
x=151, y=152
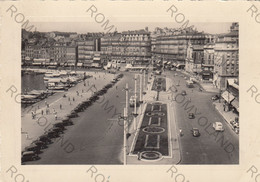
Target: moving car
x=218, y=126
x=191, y=116
x=195, y=132
x=215, y=97
x=157, y=72
x=132, y=101
x=189, y=84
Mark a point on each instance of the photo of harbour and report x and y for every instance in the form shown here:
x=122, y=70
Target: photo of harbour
x=142, y=96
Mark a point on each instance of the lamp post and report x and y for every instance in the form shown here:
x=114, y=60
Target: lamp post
x=135, y=114
x=141, y=90
x=125, y=141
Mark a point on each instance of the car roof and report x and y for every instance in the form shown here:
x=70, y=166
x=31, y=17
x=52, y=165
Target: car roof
x=28, y=152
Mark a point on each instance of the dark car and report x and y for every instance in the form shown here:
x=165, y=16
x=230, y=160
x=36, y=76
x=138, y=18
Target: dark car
x=41, y=144
x=67, y=121
x=57, y=130
x=73, y=114
x=29, y=156
x=52, y=134
x=191, y=116
x=45, y=138
x=215, y=97
x=195, y=132
x=59, y=125
x=33, y=147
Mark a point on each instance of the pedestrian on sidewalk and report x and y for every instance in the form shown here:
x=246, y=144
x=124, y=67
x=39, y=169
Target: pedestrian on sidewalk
x=189, y=99
x=60, y=107
x=54, y=112
x=32, y=115
x=138, y=156
x=69, y=99
x=47, y=111
x=77, y=93
x=73, y=99
x=56, y=117
x=45, y=103
x=42, y=112
x=48, y=105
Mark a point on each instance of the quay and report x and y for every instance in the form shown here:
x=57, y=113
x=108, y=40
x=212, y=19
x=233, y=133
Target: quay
x=59, y=106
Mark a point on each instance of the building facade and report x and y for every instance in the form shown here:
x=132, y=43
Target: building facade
x=173, y=46
x=131, y=46
x=226, y=57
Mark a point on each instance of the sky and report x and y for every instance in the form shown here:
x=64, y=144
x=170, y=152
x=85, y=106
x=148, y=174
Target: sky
x=85, y=27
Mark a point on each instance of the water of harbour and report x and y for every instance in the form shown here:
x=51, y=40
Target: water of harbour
x=32, y=81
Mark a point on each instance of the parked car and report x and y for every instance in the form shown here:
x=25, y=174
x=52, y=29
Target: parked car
x=195, y=132
x=52, y=134
x=236, y=130
x=235, y=124
x=57, y=130
x=29, y=156
x=41, y=144
x=215, y=97
x=183, y=93
x=59, y=125
x=67, y=121
x=218, y=126
x=191, y=116
x=33, y=147
x=45, y=138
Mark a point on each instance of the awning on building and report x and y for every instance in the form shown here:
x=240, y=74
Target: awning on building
x=79, y=64
x=235, y=103
x=227, y=96
x=71, y=64
x=232, y=82
x=206, y=72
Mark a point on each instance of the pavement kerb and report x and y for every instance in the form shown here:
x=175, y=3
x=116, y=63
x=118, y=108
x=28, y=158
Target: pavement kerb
x=214, y=104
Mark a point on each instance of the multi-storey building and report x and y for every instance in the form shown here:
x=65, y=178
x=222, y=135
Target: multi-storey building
x=226, y=57
x=132, y=46
x=57, y=53
x=208, y=62
x=194, y=60
x=172, y=47
x=86, y=50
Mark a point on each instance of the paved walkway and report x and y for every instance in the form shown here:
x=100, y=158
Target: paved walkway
x=174, y=148
x=33, y=128
x=227, y=115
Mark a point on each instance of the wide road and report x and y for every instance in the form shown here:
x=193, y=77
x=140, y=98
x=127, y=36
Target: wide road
x=96, y=137
x=211, y=147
